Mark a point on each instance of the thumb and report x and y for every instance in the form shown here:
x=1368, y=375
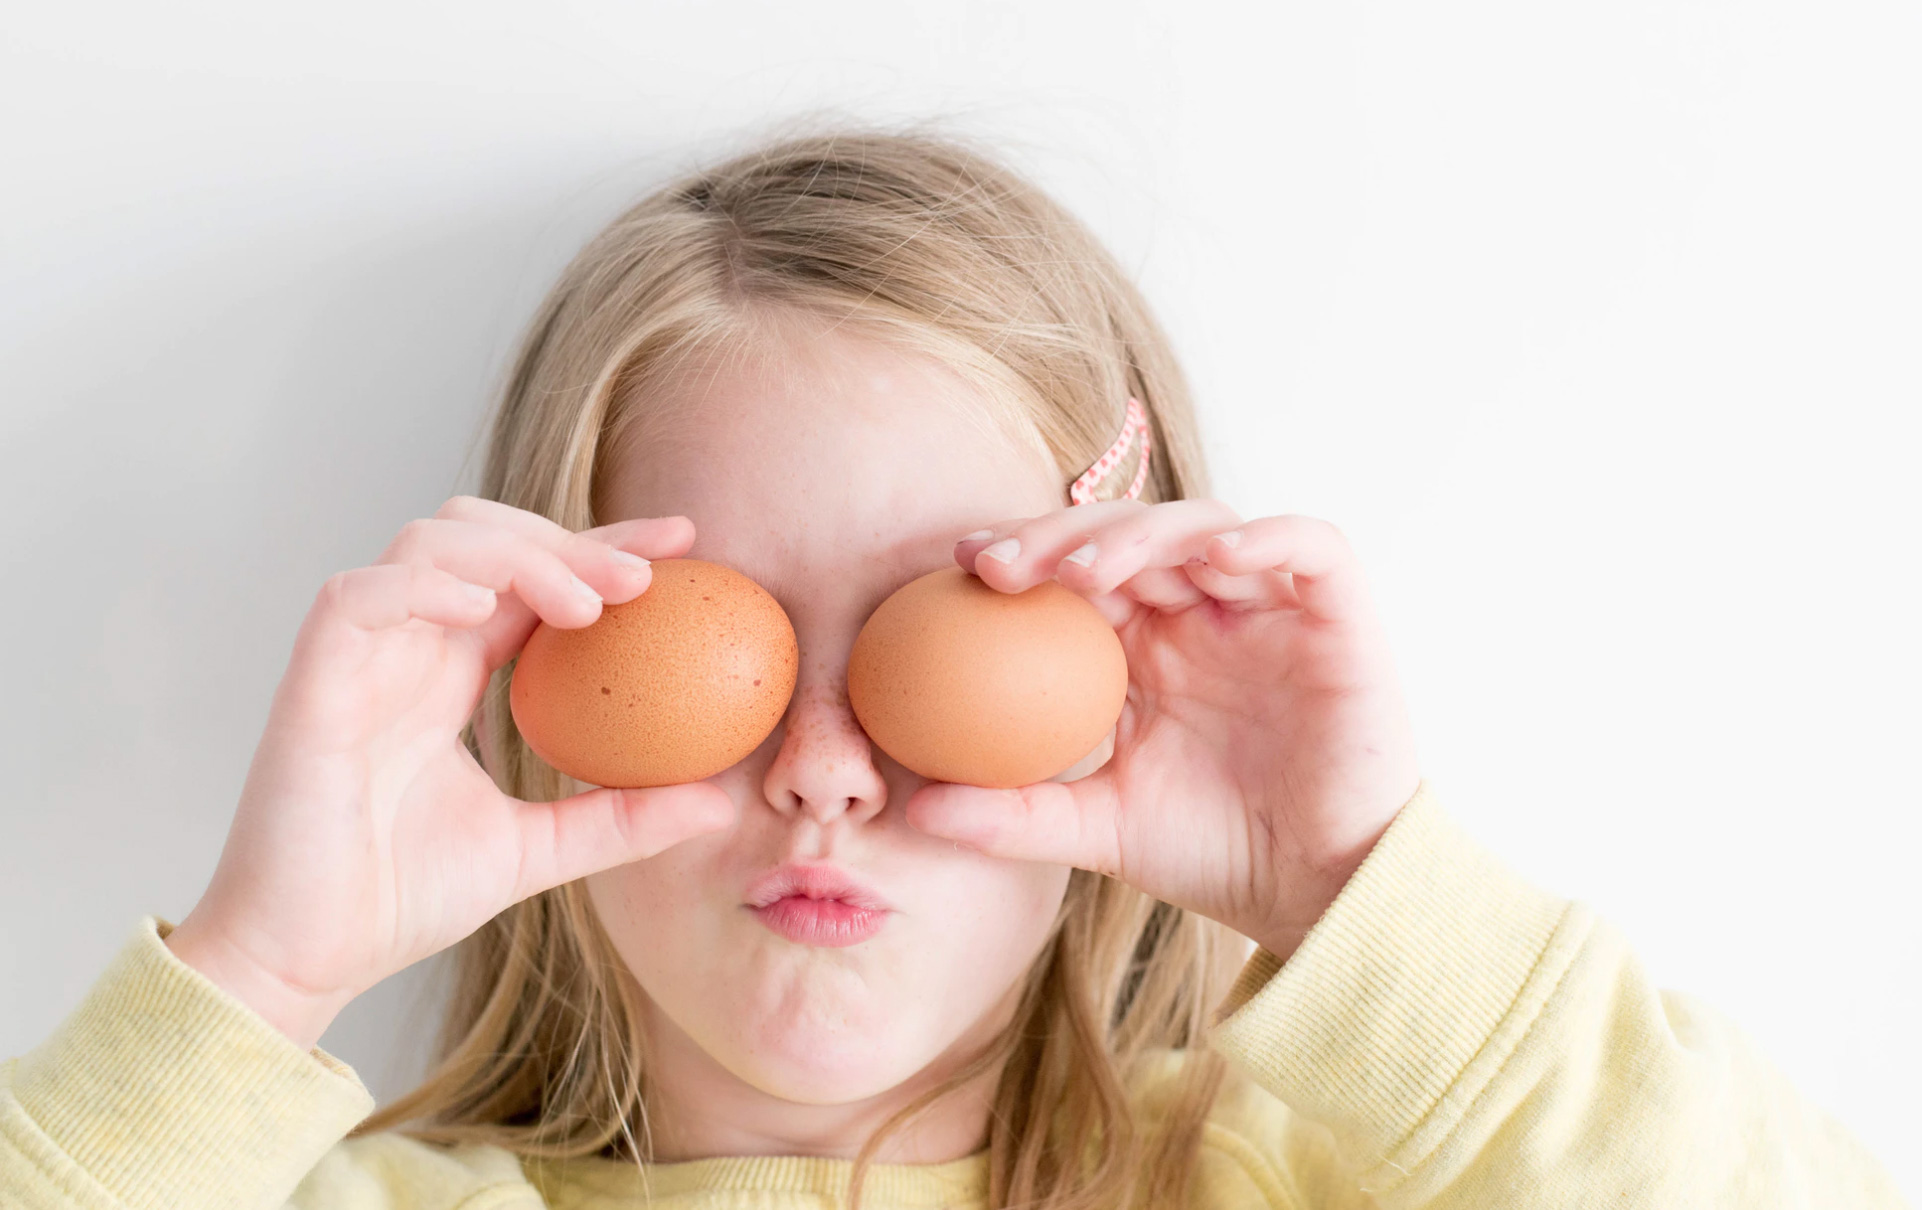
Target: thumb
x=1068, y=823
x=595, y=830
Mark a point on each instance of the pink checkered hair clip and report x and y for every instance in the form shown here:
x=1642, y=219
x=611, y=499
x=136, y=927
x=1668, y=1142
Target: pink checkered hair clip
x=1082, y=491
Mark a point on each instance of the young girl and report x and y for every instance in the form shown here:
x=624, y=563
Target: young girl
x=836, y=364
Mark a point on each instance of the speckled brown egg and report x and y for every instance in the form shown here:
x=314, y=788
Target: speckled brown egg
x=673, y=686
x=961, y=682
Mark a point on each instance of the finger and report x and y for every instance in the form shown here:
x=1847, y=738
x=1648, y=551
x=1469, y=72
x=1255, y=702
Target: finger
x=591, y=552
x=389, y=594
x=1067, y=823
x=1327, y=578
x=1018, y=543
x=1093, y=558
x=1163, y=535
x=613, y=573
x=1118, y=608
x=506, y=561
x=368, y=600
x=673, y=533
x=1165, y=588
x=650, y=537
x=598, y=829
x=1264, y=589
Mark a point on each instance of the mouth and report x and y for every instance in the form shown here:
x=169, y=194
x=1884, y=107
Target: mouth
x=814, y=882
x=829, y=923
x=817, y=905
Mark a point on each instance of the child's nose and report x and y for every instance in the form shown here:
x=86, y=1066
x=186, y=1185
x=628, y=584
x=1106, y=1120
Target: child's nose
x=825, y=765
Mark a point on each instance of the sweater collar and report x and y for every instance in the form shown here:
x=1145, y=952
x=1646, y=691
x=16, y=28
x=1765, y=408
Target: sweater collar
x=595, y=1182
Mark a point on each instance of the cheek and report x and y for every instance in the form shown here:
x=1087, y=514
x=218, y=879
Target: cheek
x=658, y=911
x=1004, y=918
x=649, y=912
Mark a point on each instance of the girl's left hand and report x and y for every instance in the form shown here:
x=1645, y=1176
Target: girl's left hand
x=1264, y=746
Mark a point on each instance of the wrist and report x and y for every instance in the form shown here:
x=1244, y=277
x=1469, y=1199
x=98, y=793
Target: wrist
x=1283, y=935
x=301, y=1016
x=1282, y=945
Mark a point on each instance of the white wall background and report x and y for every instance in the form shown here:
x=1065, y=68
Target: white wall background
x=1594, y=327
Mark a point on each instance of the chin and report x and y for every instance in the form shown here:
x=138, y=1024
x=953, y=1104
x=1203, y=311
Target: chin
x=824, y=1059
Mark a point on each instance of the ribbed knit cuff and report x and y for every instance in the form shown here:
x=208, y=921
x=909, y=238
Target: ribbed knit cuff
x=162, y=1090
x=1409, y=992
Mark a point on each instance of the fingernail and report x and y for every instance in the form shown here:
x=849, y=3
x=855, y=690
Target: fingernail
x=630, y=559
x=586, y=593
x=1084, y=556
x=1231, y=538
x=1003, y=551
x=978, y=534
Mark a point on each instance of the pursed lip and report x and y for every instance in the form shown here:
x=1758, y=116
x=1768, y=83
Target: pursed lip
x=814, y=882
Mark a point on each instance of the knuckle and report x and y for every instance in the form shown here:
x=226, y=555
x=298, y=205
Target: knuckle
x=462, y=505
x=413, y=575
x=412, y=537
x=554, y=567
x=332, y=590
x=574, y=549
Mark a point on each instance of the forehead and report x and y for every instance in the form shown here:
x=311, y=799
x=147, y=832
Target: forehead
x=838, y=458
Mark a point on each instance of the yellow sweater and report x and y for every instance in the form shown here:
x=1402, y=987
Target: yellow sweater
x=1448, y=1035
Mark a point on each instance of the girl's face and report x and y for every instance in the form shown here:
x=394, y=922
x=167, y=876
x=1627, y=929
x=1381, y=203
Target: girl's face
x=831, y=480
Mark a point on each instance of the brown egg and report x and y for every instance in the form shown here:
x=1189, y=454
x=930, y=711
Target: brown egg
x=964, y=683
x=673, y=686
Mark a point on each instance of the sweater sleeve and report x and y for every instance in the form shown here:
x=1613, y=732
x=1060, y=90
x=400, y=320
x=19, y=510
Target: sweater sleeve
x=1468, y=1040
x=161, y=1090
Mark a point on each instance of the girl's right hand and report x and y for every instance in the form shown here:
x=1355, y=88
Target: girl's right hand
x=367, y=837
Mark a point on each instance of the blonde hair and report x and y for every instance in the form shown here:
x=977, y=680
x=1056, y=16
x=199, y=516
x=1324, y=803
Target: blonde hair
x=921, y=238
